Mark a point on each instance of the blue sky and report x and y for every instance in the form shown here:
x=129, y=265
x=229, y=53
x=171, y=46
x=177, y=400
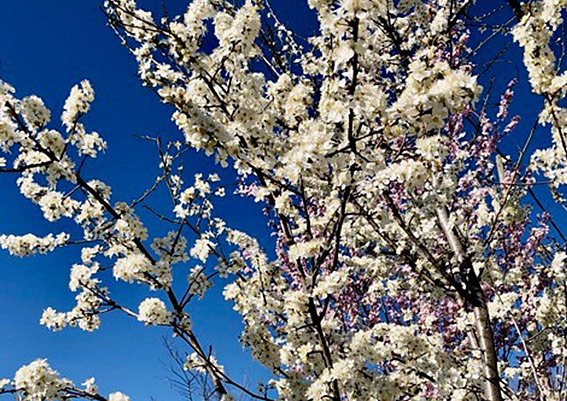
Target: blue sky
x=46, y=47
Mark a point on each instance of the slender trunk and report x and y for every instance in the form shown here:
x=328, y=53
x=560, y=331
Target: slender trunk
x=486, y=342
x=483, y=326
x=485, y=337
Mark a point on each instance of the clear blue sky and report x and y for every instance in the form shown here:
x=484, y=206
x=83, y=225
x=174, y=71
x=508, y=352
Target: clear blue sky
x=45, y=48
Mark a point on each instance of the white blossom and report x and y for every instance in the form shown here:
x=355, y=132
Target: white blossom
x=153, y=311
x=118, y=396
x=37, y=381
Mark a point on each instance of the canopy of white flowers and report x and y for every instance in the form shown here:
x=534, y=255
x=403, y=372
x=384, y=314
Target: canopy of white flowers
x=409, y=264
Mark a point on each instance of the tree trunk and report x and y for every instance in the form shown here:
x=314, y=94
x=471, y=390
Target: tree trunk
x=485, y=337
x=483, y=326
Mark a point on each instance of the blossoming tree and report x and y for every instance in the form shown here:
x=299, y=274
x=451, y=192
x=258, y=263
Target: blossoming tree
x=410, y=264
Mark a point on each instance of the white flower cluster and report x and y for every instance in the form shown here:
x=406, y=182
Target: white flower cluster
x=249, y=250
x=172, y=248
x=239, y=32
x=195, y=199
x=88, y=144
x=195, y=362
x=8, y=136
x=4, y=383
x=81, y=276
x=53, y=320
x=305, y=249
x=198, y=281
x=90, y=386
x=559, y=267
x=534, y=34
x=202, y=249
x=54, y=205
x=129, y=226
x=38, y=382
x=35, y=113
x=132, y=267
x=84, y=314
x=77, y=104
x=432, y=91
x=136, y=267
x=152, y=311
x=52, y=140
x=29, y=244
x=88, y=300
x=118, y=396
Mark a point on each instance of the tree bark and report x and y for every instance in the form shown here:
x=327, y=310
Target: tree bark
x=486, y=342
x=483, y=326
